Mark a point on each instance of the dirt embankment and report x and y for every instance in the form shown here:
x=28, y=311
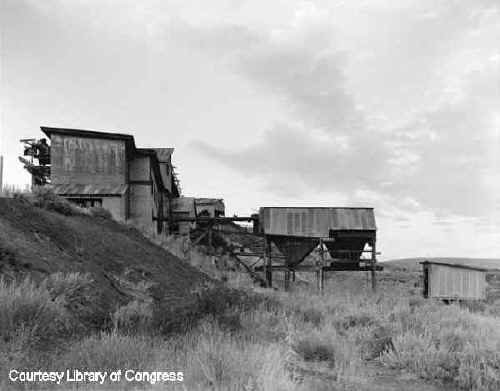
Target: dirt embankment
x=121, y=263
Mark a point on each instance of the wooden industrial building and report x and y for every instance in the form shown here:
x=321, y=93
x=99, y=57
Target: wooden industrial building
x=192, y=208
x=348, y=235
x=447, y=281
x=210, y=207
x=105, y=169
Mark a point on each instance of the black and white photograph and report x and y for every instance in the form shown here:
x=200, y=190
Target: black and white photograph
x=250, y=195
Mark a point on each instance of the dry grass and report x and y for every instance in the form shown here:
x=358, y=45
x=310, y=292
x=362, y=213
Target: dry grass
x=270, y=340
x=108, y=351
x=451, y=344
x=33, y=324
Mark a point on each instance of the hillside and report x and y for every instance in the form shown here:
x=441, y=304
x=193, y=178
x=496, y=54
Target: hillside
x=121, y=264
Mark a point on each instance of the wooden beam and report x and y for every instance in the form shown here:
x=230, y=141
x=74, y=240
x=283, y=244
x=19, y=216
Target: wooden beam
x=214, y=220
x=229, y=232
x=374, y=261
x=200, y=238
x=269, y=263
x=354, y=234
x=287, y=279
x=321, y=277
x=314, y=268
x=275, y=256
x=254, y=276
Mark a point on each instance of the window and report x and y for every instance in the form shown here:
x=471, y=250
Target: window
x=87, y=202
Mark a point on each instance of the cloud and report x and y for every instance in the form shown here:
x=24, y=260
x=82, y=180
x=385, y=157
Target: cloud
x=292, y=160
x=438, y=151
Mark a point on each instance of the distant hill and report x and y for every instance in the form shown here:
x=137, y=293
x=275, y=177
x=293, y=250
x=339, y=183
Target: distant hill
x=414, y=263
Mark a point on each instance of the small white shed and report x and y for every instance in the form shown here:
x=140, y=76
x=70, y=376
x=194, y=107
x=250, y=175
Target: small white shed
x=449, y=281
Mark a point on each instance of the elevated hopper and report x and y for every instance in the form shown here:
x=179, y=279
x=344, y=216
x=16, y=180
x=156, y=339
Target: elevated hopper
x=294, y=249
x=297, y=231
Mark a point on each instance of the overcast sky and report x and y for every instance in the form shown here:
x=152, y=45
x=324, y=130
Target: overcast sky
x=390, y=104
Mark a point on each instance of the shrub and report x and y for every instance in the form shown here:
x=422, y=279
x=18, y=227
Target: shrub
x=315, y=348
x=210, y=299
x=354, y=320
x=450, y=344
x=100, y=213
x=378, y=340
x=44, y=197
x=134, y=317
x=416, y=301
x=28, y=308
x=216, y=359
x=325, y=345
x=110, y=351
x=265, y=324
x=67, y=284
x=76, y=292
x=310, y=315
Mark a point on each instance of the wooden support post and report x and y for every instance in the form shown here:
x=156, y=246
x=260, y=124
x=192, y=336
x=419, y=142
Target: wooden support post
x=321, y=274
x=1, y=174
x=269, y=263
x=210, y=239
x=293, y=275
x=426, y=281
x=374, y=261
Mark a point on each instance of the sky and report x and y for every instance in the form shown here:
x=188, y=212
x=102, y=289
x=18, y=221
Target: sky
x=392, y=105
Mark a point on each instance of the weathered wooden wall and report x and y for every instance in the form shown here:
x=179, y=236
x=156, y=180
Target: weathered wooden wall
x=447, y=282
x=140, y=187
x=183, y=207
x=86, y=160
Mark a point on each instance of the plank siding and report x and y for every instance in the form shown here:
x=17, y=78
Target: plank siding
x=315, y=222
x=87, y=161
x=449, y=282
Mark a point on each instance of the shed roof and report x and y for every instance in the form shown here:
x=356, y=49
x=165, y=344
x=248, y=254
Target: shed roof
x=49, y=131
x=89, y=190
x=454, y=265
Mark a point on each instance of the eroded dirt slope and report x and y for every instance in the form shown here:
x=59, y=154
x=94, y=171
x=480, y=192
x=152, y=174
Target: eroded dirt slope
x=118, y=258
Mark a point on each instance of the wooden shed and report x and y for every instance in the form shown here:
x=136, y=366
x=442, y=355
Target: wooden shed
x=449, y=281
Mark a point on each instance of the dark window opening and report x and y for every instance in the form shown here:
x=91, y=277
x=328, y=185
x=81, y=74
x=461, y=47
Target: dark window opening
x=204, y=213
x=87, y=202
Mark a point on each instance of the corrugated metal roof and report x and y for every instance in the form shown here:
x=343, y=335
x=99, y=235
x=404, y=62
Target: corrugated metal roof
x=315, y=222
x=164, y=154
x=455, y=265
x=203, y=201
x=49, y=131
x=91, y=189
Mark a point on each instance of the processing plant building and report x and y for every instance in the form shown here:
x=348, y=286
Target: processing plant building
x=107, y=169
